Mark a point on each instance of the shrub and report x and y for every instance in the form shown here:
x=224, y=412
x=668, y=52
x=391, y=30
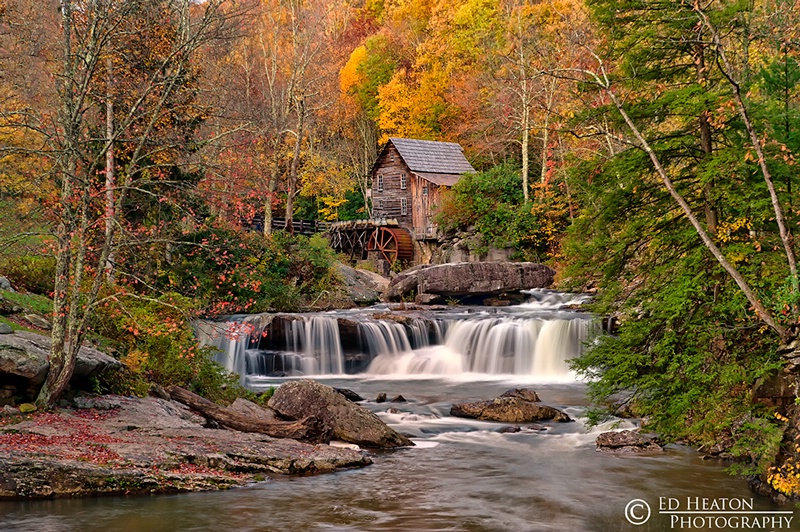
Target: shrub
x=492, y=202
x=159, y=347
x=32, y=273
x=227, y=271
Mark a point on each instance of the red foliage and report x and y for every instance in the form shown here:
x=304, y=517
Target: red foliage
x=80, y=442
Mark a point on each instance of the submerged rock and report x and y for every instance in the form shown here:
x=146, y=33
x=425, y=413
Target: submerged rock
x=348, y=421
x=508, y=410
x=627, y=441
x=349, y=394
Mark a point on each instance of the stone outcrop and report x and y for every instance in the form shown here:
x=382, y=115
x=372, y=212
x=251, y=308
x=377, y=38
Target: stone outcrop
x=5, y=284
x=627, y=441
x=123, y=445
x=526, y=394
x=432, y=284
x=514, y=406
x=362, y=287
x=23, y=358
x=348, y=421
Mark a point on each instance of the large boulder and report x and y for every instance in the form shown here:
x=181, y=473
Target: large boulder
x=626, y=441
x=508, y=410
x=468, y=279
x=348, y=421
x=362, y=287
x=24, y=355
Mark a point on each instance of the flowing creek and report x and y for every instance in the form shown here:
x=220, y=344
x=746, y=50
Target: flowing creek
x=462, y=474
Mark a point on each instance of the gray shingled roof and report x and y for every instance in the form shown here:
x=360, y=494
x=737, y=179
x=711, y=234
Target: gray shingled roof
x=432, y=157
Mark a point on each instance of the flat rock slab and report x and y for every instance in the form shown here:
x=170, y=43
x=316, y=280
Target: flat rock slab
x=627, y=441
x=148, y=445
x=349, y=422
x=466, y=279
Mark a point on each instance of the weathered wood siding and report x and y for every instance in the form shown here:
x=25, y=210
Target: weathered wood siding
x=387, y=203
x=426, y=198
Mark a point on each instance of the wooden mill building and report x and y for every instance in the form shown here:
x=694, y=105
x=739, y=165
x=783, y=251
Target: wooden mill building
x=408, y=179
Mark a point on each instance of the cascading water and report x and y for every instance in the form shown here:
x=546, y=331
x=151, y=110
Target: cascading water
x=306, y=345
x=534, y=339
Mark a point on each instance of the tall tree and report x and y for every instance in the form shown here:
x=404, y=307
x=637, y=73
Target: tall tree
x=154, y=113
x=689, y=167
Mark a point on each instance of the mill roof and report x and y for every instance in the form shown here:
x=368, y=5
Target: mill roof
x=431, y=157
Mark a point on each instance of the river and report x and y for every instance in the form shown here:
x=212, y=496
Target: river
x=462, y=474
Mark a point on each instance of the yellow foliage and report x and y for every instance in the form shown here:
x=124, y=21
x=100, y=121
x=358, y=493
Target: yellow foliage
x=726, y=231
x=329, y=207
x=323, y=176
x=135, y=359
x=785, y=479
x=349, y=76
x=409, y=109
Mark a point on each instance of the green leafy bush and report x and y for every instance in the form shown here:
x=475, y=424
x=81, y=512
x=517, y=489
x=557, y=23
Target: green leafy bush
x=227, y=271
x=32, y=273
x=492, y=202
x=159, y=347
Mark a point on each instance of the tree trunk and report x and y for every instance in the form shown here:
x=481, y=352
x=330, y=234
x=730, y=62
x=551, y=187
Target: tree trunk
x=272, y=186
x=109, y=170
x=292, y=186
x=526, y=135
x=308, y=429
x=706, y=146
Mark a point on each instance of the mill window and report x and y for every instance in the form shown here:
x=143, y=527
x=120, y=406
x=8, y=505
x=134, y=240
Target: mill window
x=403, y=207
x=402, y=181
x=380, y=183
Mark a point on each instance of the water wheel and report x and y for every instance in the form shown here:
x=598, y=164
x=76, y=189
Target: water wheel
x=393, y=243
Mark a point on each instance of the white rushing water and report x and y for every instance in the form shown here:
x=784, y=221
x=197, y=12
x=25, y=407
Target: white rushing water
x=535, y=339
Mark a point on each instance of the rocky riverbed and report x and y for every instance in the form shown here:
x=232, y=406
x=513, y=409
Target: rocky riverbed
x=121, y=445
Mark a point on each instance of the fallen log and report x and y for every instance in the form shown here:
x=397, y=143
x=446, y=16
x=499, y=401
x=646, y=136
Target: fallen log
x=307, y=429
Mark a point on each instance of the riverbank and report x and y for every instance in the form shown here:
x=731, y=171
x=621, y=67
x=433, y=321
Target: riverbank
x=114, y=445
x=463, y=474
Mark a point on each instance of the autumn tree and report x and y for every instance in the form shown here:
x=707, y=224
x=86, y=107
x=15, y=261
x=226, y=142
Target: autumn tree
x=286, y=63
x=149, y=45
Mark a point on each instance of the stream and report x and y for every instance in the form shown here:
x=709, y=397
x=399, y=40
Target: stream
x=462, y=474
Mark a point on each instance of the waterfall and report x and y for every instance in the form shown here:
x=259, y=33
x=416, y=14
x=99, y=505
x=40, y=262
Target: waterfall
x=385, y=338
x=506, y=345
x=305, y=345
x=317, y=339
x=534, y=339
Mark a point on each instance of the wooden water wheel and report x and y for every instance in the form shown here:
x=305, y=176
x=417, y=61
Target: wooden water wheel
x=393, y=243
